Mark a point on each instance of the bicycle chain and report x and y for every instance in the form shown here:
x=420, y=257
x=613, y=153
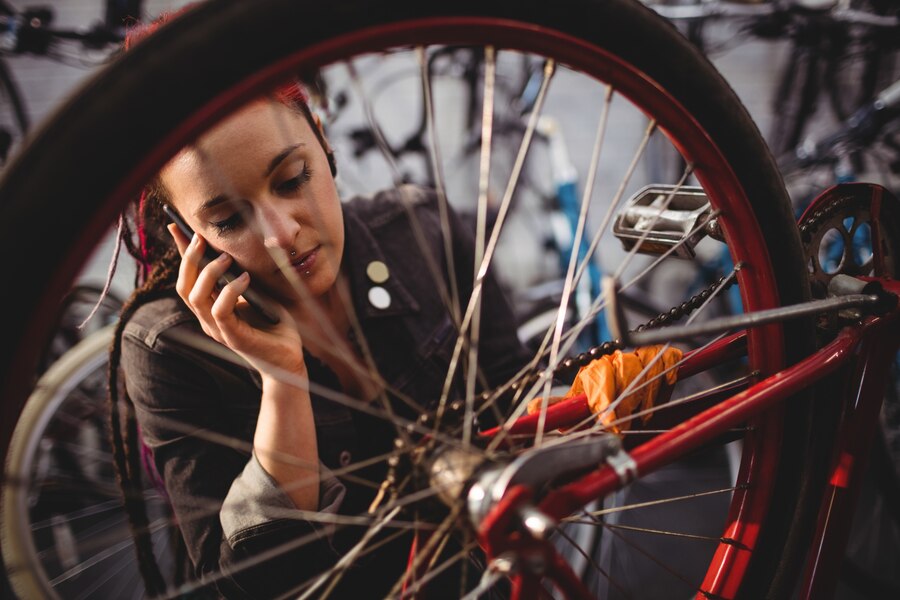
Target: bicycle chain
x=571, y=365
x=809, y=224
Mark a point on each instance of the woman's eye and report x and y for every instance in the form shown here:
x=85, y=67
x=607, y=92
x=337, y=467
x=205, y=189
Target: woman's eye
x=295, y=183
x=228, y=224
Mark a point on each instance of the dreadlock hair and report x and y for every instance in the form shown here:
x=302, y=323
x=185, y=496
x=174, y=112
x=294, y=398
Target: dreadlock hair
x=143, y=232
x=156, y=275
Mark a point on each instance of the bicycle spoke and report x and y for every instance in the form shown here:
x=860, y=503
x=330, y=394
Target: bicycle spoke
x=638, y=505
x=425, y=553
x=549, y=70
x=570, y=280
x=132, y=582
x=282, y=548
x=614, y=203
x=727, y=386
x=432, y=573
x=691, y=536
x=487, y=120
x=437, y=167
x=340, y=568
x=98, y=537
x=97, y=509
x=95, y=560
x=378, y=134
x=366, y=552
x=123, y=562
x=209, y=507
x=658, y=431
x=653, y=558
x=590, y=559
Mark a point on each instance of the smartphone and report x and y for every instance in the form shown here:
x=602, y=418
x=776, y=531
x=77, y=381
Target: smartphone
x=259, y=304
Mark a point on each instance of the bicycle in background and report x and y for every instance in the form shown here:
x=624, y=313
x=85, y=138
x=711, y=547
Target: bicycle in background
x=30, y=31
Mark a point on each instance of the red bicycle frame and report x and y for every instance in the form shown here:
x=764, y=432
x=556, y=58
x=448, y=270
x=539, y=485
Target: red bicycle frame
x=861, y=352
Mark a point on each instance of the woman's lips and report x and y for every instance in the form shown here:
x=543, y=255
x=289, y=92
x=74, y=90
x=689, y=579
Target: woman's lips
x=306, y=261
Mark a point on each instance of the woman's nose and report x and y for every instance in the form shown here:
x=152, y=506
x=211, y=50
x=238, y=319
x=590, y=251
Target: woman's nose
x=279, y=228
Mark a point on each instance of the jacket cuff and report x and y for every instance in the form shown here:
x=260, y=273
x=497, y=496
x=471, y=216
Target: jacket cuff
x=256, y=499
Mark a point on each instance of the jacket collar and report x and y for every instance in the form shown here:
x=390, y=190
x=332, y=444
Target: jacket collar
x=361, y=248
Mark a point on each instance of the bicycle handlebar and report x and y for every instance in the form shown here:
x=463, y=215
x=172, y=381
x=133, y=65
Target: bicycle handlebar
x=29, y=32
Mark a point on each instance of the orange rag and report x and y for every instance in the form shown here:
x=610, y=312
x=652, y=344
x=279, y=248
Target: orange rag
x=605, y=378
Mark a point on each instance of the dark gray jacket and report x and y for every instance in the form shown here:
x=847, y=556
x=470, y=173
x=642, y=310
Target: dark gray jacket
x=197, y=410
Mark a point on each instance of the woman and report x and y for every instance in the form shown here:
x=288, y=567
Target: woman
x=366, y=317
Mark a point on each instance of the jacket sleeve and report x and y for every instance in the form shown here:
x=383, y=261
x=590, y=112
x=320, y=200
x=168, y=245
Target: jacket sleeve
x=227, y=507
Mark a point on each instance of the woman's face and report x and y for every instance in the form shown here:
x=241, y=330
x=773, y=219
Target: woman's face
x=261, y=181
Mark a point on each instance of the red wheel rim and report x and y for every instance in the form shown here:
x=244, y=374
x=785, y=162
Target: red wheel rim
x=756, y=280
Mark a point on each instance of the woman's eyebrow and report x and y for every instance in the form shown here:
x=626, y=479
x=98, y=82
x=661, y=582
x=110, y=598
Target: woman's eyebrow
x=212, y=202
x=281, y=156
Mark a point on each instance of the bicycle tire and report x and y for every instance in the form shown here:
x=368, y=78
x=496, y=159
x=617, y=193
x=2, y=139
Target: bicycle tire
x=114, y=164
x=30, y=491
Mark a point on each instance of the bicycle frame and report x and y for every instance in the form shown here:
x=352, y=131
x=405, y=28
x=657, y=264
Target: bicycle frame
x=862, y=352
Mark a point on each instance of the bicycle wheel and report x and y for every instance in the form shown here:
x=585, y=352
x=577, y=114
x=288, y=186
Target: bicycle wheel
x=239, y=50
x=63, y=530
x=71, y=326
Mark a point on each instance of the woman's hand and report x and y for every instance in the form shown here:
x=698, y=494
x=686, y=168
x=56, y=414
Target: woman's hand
x=285, y=425
x=228, y=318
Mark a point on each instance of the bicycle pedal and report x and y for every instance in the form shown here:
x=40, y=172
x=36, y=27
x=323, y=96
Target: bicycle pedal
x=658, y=218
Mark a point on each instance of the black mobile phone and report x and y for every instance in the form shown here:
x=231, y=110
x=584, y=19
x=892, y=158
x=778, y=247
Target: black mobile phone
x=260, y=304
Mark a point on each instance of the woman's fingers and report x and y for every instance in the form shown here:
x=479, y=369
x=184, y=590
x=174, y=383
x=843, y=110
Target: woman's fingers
x=203, y=291
x=223, y=309
x=191, y=255
x=197, y=283
x=181, y=240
